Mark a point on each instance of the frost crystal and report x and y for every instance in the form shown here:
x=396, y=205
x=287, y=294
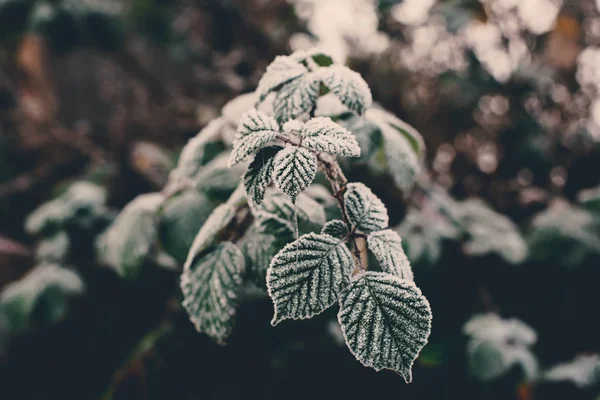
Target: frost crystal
x=336, y=228
x=386, y=245
x=386, y=321
x=297, y=98
x=295, y=169
x=210, y=290
x=293, y=127
x=306, y=276
x=323, y=135
x=583, y=371
x=255, y=130
x=281, y=71
x=348, y=86
x=365, y=211
x=260, y=173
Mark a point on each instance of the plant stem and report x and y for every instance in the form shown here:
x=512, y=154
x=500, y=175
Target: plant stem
x=337, y=181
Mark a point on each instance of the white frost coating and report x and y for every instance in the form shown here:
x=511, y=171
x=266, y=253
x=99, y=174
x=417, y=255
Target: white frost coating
x=220, y=217
x=305, y=277
x=282, y=70
x=53, y=249
x=191, y=157
x=129, y=239
x=583, y=371
x=496, y=345
x=295, y=169
x=259, y=174
x=386, y=245
x=293, y=127
x=255, y=130
x=386, y=321
x=348, y=86
x=235, y=108
x=402, y=160
x=365, y=211
x=210, y=290
x=305, y=208
x=336, y=228
x=490, y=232
x=47, y=285
x=297, y=97
x=323, y=135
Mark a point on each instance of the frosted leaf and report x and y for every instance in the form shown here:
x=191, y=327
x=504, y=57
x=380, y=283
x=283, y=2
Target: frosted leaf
x=336, y=228
x=365, y=211
x=259, y=248
x=305, y=208
x=53, y=249
x=219, y=219
x=323, y=135
x=422, y=233
x=49, y=214
x=386, y=321
x=490, y=232
x=210, y=290
x=181, y=218
x=235, y=108
x=583, y=371
x=295, y=169
x=39, y=298
x=348, y=86
x=293, y=127
x=564, y=234
x=255, y=130
x=127, y=243
x=386, y=120
x=217, y=179
x=492, y=327
x=281, y=71
x=496, y=345
x=194, y=154
x=489, y=360
x=297, y=98
x=260, y=173
x=273, y=224
x=386, y=245
x=306, y=276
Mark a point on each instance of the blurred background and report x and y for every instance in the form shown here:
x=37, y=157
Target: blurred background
x=97, y=98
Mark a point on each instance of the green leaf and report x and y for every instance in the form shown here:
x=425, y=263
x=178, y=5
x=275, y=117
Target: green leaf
x=195, y=153
x=305, y=209
x=336, y=228
x=127, y=243
x=386, y=321
x=386, y=245
x=583, y=371
x=39, y=298
x=295, y=169
x=210, y=290
x=261, y=245
x=297, y=98
x=282, y=70
x=403, y=147
x=181, y=218
x=217, y=179
x=323, y=135
x=365, y=211
x=490, y=232
x=53, y=249
x=306, y=276
x=208, y=234
x=255, y=130
x=260, y=173
x=348, y=86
